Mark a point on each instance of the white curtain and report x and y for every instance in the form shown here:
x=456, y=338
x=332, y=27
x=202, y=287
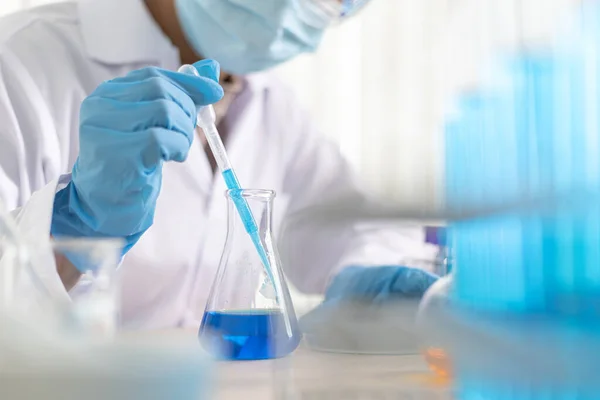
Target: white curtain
x=374, y=87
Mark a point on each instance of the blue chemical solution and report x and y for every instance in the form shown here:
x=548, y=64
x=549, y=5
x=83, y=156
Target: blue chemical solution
x=248, y=334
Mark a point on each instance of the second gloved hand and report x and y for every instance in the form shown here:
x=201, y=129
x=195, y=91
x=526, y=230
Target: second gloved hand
x=368, y=310
x=379, y=284
x=359, y=287
x=128, y=128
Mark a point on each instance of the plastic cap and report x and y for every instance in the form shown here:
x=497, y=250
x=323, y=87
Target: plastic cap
x=206, y=114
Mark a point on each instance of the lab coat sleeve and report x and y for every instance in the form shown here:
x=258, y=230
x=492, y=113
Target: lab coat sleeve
x=27, y=138
x=30, y=154
x=314, y=252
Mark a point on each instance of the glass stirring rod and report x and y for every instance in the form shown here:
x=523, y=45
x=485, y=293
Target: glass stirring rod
x=206, y=121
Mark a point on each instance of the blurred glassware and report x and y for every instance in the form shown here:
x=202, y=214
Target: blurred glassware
x=435, y=301
x=32, y=288
x=94, y=308
x=59, y=346
x=528, y=126
x=37, y=363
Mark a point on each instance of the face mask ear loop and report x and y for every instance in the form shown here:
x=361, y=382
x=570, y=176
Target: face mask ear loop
x=351, y=7
x=318, y=14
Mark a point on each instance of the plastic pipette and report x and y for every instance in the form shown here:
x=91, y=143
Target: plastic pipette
x=206, y=121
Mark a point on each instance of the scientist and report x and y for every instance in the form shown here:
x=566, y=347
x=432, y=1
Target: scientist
x=96, y=126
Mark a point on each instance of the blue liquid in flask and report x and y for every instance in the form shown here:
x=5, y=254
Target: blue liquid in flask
x=248, y=334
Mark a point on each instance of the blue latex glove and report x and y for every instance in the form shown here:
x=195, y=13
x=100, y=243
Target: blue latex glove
x=368, y=310
x=129, y=127
x=379, y=284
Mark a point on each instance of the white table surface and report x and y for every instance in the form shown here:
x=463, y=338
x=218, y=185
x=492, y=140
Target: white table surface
x=308, y=374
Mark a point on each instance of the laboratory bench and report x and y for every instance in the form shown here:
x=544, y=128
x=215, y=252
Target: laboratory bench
x=308, y=374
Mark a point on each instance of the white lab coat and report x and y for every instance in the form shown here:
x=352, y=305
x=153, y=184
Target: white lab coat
x=52, y=57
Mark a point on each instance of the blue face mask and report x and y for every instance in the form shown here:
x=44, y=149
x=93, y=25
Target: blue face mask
x=249, y=35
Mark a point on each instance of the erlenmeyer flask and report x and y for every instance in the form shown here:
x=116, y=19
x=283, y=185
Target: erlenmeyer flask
x=249, y=314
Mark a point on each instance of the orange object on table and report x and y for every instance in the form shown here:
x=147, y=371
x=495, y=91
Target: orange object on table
x=438, y=361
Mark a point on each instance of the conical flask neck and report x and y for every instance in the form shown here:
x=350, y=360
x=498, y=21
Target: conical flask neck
x=250, y=211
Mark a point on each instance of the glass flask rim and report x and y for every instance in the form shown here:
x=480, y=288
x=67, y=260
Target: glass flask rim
x=254, y=194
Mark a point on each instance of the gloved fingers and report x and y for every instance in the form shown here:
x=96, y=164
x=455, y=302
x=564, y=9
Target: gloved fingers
x=379, y=283
x=148, y=147
x=360, y=282
x=202, y=90
x=154, y=88
x=411, y=282
x=164, y=144
x=208, y=68
x=136, y=117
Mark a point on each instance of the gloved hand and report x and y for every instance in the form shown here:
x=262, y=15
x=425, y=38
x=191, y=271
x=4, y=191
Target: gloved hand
x=368, y=310
x=129, y=127
x=379, y=284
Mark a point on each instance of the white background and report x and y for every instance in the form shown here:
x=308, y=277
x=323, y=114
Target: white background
x=374, y=87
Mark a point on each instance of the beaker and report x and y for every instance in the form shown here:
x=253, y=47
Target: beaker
x=89, y=310
x=249, y=314
x=94, y=308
